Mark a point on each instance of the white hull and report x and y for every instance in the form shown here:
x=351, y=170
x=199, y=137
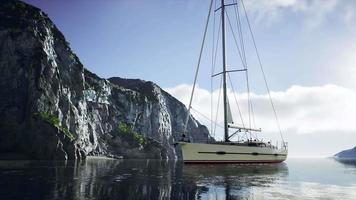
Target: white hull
x=227, y=153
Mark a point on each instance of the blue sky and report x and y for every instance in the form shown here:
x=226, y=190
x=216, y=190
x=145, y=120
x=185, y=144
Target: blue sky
x=150, y=40
x=307, y=48
x=155, y=40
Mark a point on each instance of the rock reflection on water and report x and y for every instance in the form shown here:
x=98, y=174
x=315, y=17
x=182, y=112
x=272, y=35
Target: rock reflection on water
x=131, y=179
x=347, y=162
x=93, y=179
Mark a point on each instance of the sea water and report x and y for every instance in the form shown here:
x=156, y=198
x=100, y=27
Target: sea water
x=97, y=178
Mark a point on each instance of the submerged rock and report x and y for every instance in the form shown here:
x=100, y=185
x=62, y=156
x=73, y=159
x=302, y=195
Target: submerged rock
x=51, y=107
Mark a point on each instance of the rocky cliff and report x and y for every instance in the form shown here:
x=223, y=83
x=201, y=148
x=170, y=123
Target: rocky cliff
x=51, y=107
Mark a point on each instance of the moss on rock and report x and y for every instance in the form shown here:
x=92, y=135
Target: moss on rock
x=54, y=120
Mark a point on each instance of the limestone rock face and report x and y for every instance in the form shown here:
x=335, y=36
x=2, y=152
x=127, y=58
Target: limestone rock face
x=51, y=107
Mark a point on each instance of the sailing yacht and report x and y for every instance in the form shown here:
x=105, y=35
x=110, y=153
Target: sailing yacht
x=249, y=150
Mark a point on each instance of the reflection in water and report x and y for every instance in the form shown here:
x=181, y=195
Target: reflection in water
x=350, y=162
x=151, y=179
x=130, y=179
x=233, y=181
x=90, y=179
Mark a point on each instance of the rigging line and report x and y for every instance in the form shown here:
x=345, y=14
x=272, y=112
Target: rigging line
x=217, y=108
x=214, y=64
x=212, y=72
x=207, y=118
x=236, y=43
x=239, y=27
x=250, y=108
x=238, y=20
x=217, y=45
x=214, y=58
x=217, y=42
x=264, y=76
x=211, y=103
x=247, y=80
x=216, y=50
x=248, y=100
x=253, y=115
x=198, y=65
x=238, y=107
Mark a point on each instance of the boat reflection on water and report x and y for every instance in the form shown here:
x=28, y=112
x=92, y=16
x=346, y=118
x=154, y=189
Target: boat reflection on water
x=131, y=179
x=228, y=181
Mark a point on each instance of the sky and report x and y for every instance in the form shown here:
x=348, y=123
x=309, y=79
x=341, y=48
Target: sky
x=307, y=48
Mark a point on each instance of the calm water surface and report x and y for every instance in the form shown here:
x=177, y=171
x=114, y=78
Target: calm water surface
x=150, y=179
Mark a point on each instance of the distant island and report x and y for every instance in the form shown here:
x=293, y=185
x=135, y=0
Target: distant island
x=346, y=154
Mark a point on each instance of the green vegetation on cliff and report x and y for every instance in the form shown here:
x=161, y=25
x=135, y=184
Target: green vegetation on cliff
x=126, y=130
x=54, y=120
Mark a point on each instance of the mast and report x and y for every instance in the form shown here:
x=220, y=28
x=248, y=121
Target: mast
x=226, y=128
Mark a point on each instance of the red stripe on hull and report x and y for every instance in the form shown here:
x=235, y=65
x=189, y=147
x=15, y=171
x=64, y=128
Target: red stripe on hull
x=231, y=161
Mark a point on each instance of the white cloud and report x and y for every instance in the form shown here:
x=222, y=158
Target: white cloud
x=314, y=12
x=271, y=10
x=317, y=121
x=301, y=110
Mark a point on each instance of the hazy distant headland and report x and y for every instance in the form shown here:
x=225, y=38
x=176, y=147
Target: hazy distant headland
x=346, y=154
x=51, y=107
